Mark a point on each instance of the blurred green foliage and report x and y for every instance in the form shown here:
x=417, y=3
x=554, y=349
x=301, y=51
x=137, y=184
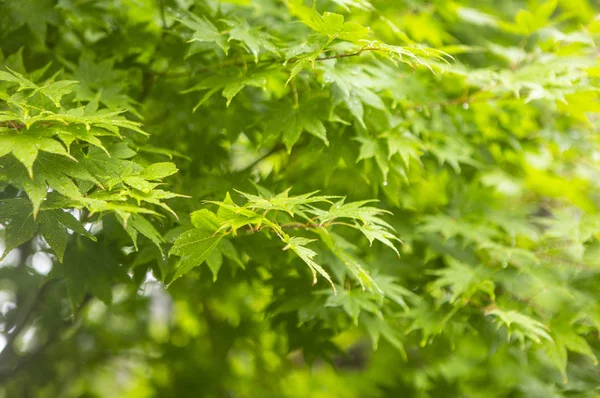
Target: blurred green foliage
x=267, y=198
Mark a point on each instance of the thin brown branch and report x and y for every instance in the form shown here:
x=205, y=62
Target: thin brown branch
x=354, y=54
x=245, y=61
x=313, y=225
x=13, y=124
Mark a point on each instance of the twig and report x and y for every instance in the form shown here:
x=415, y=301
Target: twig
x=354, y=54
x=12, y=124
x=312, y=225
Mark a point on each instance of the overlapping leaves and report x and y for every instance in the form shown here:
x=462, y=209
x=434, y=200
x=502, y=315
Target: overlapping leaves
x=278, y=214
x=81, y=155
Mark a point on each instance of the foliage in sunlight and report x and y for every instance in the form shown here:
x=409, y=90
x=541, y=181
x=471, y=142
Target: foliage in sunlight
x=297, y=198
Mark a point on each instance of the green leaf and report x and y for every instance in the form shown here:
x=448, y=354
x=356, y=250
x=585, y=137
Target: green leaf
x=377, y=327
x=56, y=90
x=332, y=23
x=158, y=171
x=353, y=32
x=17, y=217
x=353, y=303
x=252, y=39
x=54, y=226
x=463, y=280
x=15, y=77
x=139, y=183
x=68, y=134
x=194, y=247
x=36, y=188
x=307, y=117
x=205, y=219
x=393, y=290
x=227, y=248
x=214, y=262
x=405, y=145
x=25, y=147
x=340, y=247
x=225, y=213
x=372, y=148
x=298, y=245
x=521, y=326
x=359, y=4
x=143, y=226
x=205, y=31
x=90, y=268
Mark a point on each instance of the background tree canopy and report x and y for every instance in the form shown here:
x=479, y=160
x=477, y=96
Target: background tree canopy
x=275, y=198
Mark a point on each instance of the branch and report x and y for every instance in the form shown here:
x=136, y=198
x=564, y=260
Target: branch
x=23, y=319
x=313, y=225
x=273, y=150
x=268, y=61
x=346, y=55
x=12, y=124
x=10, y=374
